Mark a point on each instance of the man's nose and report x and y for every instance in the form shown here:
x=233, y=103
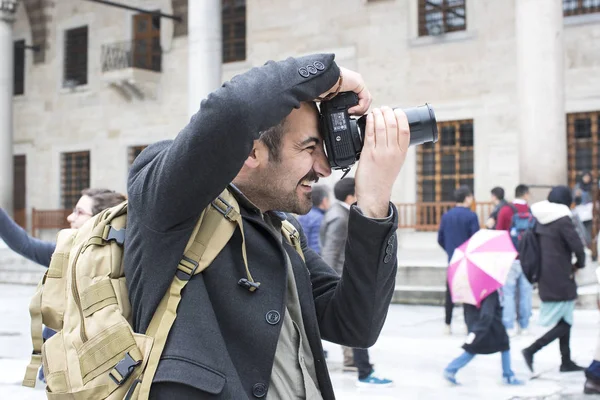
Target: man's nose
x=321, y=166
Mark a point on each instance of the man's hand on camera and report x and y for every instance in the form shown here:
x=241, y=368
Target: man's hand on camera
x=387, y=136
x=353, y=82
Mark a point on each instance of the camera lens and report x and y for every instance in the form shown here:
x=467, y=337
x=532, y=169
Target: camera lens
x=422, y=123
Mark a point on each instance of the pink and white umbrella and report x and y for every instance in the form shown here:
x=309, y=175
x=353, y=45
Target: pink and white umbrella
x=480, y=266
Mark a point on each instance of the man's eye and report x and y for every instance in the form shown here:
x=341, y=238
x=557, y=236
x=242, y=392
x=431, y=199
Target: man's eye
x=311, y=148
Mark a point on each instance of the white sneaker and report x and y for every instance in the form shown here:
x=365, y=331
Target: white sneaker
x=512, y=332
x=447, y=330
x=525, y=332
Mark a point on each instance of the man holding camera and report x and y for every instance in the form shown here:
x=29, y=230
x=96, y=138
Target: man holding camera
x=259, y=135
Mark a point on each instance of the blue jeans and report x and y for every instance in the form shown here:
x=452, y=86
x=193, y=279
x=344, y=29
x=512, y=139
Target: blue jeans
x=516, y=278
x=466, y=358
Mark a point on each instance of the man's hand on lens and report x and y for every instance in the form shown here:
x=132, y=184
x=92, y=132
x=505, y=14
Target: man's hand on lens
x=387, y=136
x=353, y=82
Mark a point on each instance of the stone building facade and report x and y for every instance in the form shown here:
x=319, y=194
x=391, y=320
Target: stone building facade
x=504, y=78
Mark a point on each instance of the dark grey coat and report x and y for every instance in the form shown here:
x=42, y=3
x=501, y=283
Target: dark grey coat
x=333, y=234
x=221, y=345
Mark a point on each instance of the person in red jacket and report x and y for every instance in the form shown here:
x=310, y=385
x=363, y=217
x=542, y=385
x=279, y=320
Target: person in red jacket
x=520, y=206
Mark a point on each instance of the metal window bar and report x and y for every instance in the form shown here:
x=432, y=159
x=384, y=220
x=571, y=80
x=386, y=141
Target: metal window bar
x=75, y=177
x=580, y=7
x=234, y=30
x=437, y=17
x=442, y=167
x=131, y=54
x=583, y=144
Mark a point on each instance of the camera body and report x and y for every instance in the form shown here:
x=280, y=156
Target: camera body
x=344, y=136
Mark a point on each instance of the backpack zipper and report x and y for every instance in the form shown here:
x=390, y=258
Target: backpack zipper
x=75, y=293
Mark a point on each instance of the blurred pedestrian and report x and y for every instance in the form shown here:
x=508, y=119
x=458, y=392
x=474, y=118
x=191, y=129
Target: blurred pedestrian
x=558, y=241
x=516, y=218
x=334, y=234
x=582, y=196
x=311, y=222
x=499, y=202
x=487, y=335
x=456, y=227
x=592, y=373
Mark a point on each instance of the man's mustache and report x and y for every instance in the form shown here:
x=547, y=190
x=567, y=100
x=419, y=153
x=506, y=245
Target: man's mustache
x=311, y=176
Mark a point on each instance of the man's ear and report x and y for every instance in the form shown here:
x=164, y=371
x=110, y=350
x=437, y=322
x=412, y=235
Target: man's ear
x=255, y=158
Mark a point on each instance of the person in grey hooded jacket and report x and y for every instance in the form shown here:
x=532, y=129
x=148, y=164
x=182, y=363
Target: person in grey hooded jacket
x=558, y=240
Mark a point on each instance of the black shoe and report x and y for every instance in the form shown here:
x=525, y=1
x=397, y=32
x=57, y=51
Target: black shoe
x=528, y=356
x=591, y=387
x=570, y=367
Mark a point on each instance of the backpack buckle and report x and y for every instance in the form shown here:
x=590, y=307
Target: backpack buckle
x=124, y=368
x=118, y=235
x=186, y=264
x=224, y=208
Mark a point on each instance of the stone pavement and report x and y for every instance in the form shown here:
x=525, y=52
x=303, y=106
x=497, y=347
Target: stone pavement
x=412, y=350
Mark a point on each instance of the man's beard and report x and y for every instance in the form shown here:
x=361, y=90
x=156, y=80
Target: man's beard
x=268, y=192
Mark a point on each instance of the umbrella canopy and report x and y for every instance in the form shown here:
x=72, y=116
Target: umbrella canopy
x=480, y=266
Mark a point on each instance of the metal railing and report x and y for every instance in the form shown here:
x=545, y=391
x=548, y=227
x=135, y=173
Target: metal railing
x=418, y=216
x=427, y=216
x=140, y=53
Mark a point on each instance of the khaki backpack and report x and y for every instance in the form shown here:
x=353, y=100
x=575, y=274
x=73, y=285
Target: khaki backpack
x=95, y=353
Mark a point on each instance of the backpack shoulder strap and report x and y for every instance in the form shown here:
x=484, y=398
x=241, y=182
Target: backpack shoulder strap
x=212, y=232
x=292, y=235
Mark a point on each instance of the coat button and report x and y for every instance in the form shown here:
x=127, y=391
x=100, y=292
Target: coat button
x=389, y=249
x=303, y=72
x=391, y=239
x=311, y=69
x=319, y=65
x=387, y=258
x=273, y=317
x=259, y=390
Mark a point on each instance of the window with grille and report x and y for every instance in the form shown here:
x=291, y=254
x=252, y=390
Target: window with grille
x=19, y=189
x=133, y=152
x=19, y=67
x=75, y=176
x=579, y=7
x=437, y=17
x=444, y=166
x=147, y=53
x=76, y=57
x=234, y=30
x=583, y=145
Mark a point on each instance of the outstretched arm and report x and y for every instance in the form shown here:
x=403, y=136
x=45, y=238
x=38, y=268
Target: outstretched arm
x=17, y=239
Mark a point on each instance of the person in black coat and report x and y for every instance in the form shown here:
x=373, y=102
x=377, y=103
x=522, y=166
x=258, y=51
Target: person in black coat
x=487, y=335
x=558, y=241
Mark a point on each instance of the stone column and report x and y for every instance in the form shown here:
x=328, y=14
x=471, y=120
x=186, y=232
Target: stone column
x=7, y=18
x=541, y=82
x=204, y=50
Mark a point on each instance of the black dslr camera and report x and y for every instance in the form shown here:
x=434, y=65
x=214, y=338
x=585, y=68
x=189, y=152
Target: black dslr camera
x=344, y=135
